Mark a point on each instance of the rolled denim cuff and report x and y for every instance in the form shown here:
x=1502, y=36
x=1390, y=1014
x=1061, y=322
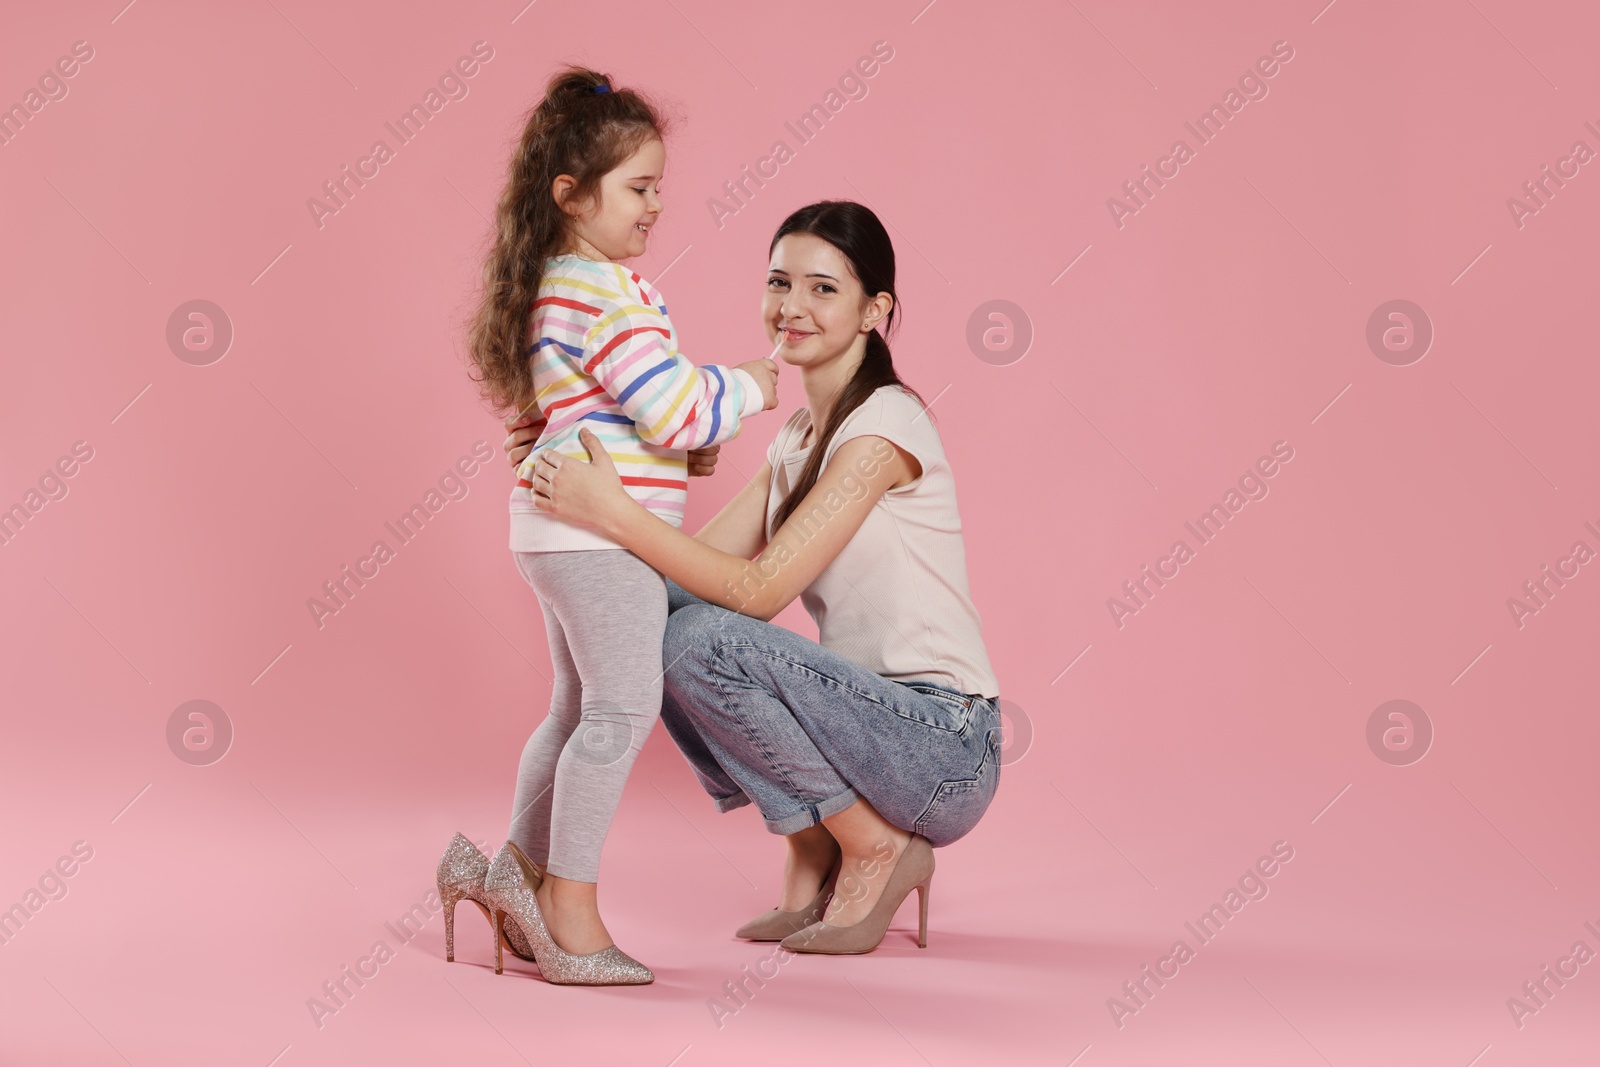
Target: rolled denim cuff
x=813, y=813
x=737, y=800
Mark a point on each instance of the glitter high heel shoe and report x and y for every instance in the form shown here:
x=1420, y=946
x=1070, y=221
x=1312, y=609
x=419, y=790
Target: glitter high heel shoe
x=509, y=888
x=460, y=877
x=913, y=870
x=777, y=924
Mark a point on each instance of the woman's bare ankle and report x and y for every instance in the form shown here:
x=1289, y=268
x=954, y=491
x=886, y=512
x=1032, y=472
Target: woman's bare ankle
x=812, y=853
x=871, y=847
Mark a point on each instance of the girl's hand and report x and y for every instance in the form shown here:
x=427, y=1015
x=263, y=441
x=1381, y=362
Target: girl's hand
x=765, y=372
x=585, y=493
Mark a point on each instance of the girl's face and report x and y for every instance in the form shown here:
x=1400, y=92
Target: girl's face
x=814, y=301
x=616, y=224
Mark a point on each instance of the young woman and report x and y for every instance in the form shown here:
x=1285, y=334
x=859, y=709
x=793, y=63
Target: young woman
x=869, y=748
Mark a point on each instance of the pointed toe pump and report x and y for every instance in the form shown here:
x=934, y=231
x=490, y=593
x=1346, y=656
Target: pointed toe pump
x=913, y=871
x=509, y=887
x=778, y=924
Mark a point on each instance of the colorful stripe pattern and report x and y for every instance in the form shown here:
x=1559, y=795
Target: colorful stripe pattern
x=605, y=356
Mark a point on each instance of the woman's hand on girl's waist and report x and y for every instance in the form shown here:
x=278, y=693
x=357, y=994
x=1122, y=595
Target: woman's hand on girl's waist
x=523, y=432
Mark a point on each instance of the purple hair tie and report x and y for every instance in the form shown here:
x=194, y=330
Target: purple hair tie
x=602, y=88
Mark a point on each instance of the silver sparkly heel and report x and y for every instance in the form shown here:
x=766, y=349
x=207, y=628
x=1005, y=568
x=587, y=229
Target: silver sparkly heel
x=460, y=877
x=509, y=888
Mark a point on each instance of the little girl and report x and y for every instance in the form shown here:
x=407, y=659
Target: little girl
x=599, y=352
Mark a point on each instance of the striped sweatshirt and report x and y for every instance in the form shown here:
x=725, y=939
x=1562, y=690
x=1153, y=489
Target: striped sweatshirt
x=605, y=356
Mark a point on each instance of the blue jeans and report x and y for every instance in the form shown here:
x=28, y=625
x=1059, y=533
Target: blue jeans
x=764, y=715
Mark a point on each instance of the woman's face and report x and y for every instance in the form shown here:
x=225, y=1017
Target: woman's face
x=814, y=301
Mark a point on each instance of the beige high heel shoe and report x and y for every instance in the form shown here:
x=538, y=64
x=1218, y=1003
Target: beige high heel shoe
x=460, y=877
x=913, y=871
x=776, y=924
x=509, y=887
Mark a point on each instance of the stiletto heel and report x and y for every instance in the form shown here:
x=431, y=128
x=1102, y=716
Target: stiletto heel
x=509, y=888
x=460, y=877
x=922, y=911
x=914, y=870
x=499, y=924
x=448, y=897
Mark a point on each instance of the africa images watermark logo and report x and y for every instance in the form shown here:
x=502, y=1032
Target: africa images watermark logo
x=1252, y=486
x=338, y=192
x=851, y=86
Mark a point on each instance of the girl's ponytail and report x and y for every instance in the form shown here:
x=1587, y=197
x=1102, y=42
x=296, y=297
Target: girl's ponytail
x=584, y=127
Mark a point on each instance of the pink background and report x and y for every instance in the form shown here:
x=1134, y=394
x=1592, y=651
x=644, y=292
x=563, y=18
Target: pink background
x=1230, y=713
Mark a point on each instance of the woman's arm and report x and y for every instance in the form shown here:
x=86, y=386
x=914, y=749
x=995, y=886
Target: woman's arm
x=740, y=528
x=860, y=472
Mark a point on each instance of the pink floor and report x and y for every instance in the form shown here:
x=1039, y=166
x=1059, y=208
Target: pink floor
x=1149, y=360
x=216, y=906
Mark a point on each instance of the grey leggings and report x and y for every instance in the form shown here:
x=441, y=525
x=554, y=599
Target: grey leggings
x=605, y=612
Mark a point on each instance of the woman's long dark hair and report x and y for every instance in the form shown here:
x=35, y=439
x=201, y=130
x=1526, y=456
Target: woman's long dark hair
x=573, y=130
x=856, y=232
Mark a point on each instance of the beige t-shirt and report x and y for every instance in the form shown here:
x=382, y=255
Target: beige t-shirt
x=895, y=599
